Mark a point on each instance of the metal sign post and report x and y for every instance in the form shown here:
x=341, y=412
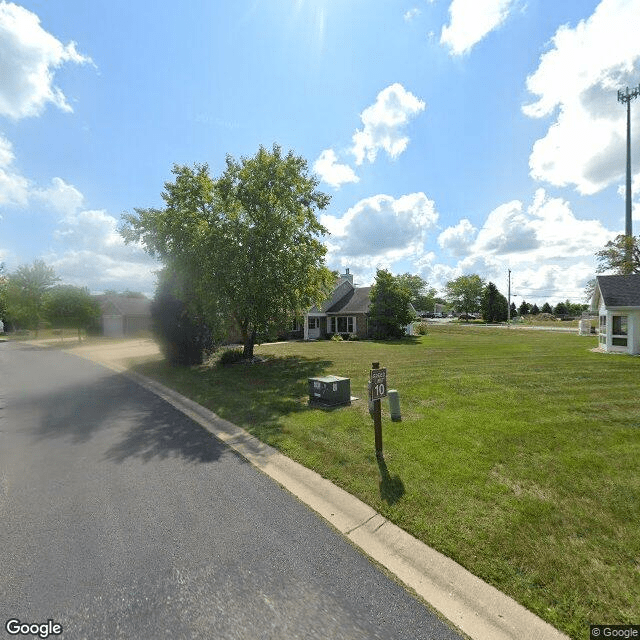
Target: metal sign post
x=378, y=390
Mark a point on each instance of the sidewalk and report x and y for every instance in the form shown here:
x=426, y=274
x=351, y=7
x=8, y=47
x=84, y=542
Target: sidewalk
x=476, y=608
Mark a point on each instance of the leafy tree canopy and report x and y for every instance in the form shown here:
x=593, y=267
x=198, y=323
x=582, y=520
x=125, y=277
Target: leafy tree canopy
x=423, y=297
x=389, y=312
x=249, y=241
x=465, y=293
x=25, y=294
x=69, y=306
x=620, y=256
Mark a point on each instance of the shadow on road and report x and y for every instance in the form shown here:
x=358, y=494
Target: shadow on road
x=167, y=433
x=130, y=421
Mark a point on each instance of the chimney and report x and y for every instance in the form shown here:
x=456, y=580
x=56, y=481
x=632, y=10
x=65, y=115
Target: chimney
x=347, y=276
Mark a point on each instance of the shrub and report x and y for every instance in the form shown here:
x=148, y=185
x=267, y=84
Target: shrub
x=184, y=338
x=230, y=356
x=336, y=337
x=421, y=328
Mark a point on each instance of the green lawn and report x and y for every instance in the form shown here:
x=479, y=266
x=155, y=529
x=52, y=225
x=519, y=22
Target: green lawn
x=518, y=454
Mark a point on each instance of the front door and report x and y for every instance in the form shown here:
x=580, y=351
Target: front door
x=314, y=328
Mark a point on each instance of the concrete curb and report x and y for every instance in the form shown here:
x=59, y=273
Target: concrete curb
x=476, y=608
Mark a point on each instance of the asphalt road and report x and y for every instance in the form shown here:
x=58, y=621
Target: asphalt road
x=122, y=518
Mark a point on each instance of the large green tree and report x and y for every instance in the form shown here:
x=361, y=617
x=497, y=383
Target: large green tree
x=249, y=241
x=423, y=297
x=494, y=304
x=26, y=292
x=620, y=256
x=465, y=293
x=67, y=306
x=389, y=312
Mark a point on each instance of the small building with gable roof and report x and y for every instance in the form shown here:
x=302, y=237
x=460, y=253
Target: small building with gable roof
x=616, y=299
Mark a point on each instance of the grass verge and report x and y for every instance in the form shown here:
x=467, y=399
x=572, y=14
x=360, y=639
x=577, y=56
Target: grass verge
x=517, y=455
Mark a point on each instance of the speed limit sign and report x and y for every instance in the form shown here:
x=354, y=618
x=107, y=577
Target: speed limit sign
x=378, y=387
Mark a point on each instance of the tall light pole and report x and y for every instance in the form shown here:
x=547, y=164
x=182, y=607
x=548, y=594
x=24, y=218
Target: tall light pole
x=625, y=97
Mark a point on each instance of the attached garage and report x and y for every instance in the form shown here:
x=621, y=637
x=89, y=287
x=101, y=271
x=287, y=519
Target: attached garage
x=124, y=315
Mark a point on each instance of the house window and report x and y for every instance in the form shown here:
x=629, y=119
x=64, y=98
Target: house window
x=619, y=325
x=602, y=338
x=619, y=331
x=341, y=324
x=313, y=323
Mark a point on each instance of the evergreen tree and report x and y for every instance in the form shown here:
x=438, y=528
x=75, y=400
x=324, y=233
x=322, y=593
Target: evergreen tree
x=494, y=304
x=560, y=309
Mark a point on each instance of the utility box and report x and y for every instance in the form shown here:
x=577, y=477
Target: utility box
x=330, y=390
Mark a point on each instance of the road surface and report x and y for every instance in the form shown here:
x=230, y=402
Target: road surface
x=122, y=518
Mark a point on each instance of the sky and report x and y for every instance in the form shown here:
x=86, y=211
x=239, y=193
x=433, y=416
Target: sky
x=454, y=136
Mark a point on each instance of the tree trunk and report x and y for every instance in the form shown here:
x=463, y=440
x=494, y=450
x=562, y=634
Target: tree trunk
x=249, y=338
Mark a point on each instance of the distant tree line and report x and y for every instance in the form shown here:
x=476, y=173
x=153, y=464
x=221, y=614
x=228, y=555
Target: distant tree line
x=470, y=295
x=30, y=298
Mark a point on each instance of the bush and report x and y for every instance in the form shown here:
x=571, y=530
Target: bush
x=336, y=337
x=184, y=339
x=230, y=356
x=421, y=328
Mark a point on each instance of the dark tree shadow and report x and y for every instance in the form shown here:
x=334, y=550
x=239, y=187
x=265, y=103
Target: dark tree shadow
x=391, y=488
x=166, y=433
x=252, y=396
x=141, y=424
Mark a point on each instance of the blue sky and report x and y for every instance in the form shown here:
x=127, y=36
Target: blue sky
x=454, y=136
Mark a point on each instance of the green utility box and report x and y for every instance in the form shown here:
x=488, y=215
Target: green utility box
x=330, y=390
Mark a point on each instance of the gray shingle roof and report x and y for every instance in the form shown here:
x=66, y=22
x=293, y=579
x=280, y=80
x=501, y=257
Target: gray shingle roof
x=355, y=301
x=125, y=305
x=620, y=291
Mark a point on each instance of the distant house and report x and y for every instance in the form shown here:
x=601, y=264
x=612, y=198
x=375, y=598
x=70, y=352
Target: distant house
x=346, y=312
x=123, y=315
x=616, y=299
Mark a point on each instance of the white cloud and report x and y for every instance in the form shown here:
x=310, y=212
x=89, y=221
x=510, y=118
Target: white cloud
x=91, y=252
x=472, y=20
x=411, y=14
x=547, y=230
x=60, y=196
x=384, y=122
x=382, y=228
x=331, y=171
x=578, y=78
x=458, y=239
x=29, y=57
x=101, y=271
x=14, y=188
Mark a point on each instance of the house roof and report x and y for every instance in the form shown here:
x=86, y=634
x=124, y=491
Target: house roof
x=125, y=305
x=619, y=291
x=356, y=300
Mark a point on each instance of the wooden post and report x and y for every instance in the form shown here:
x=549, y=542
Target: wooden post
x=377, y=420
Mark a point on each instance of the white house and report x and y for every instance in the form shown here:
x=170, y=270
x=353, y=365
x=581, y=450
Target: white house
x=617, y=301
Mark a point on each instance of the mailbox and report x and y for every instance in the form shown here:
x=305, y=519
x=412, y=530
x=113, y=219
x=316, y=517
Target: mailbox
x=330, y=390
